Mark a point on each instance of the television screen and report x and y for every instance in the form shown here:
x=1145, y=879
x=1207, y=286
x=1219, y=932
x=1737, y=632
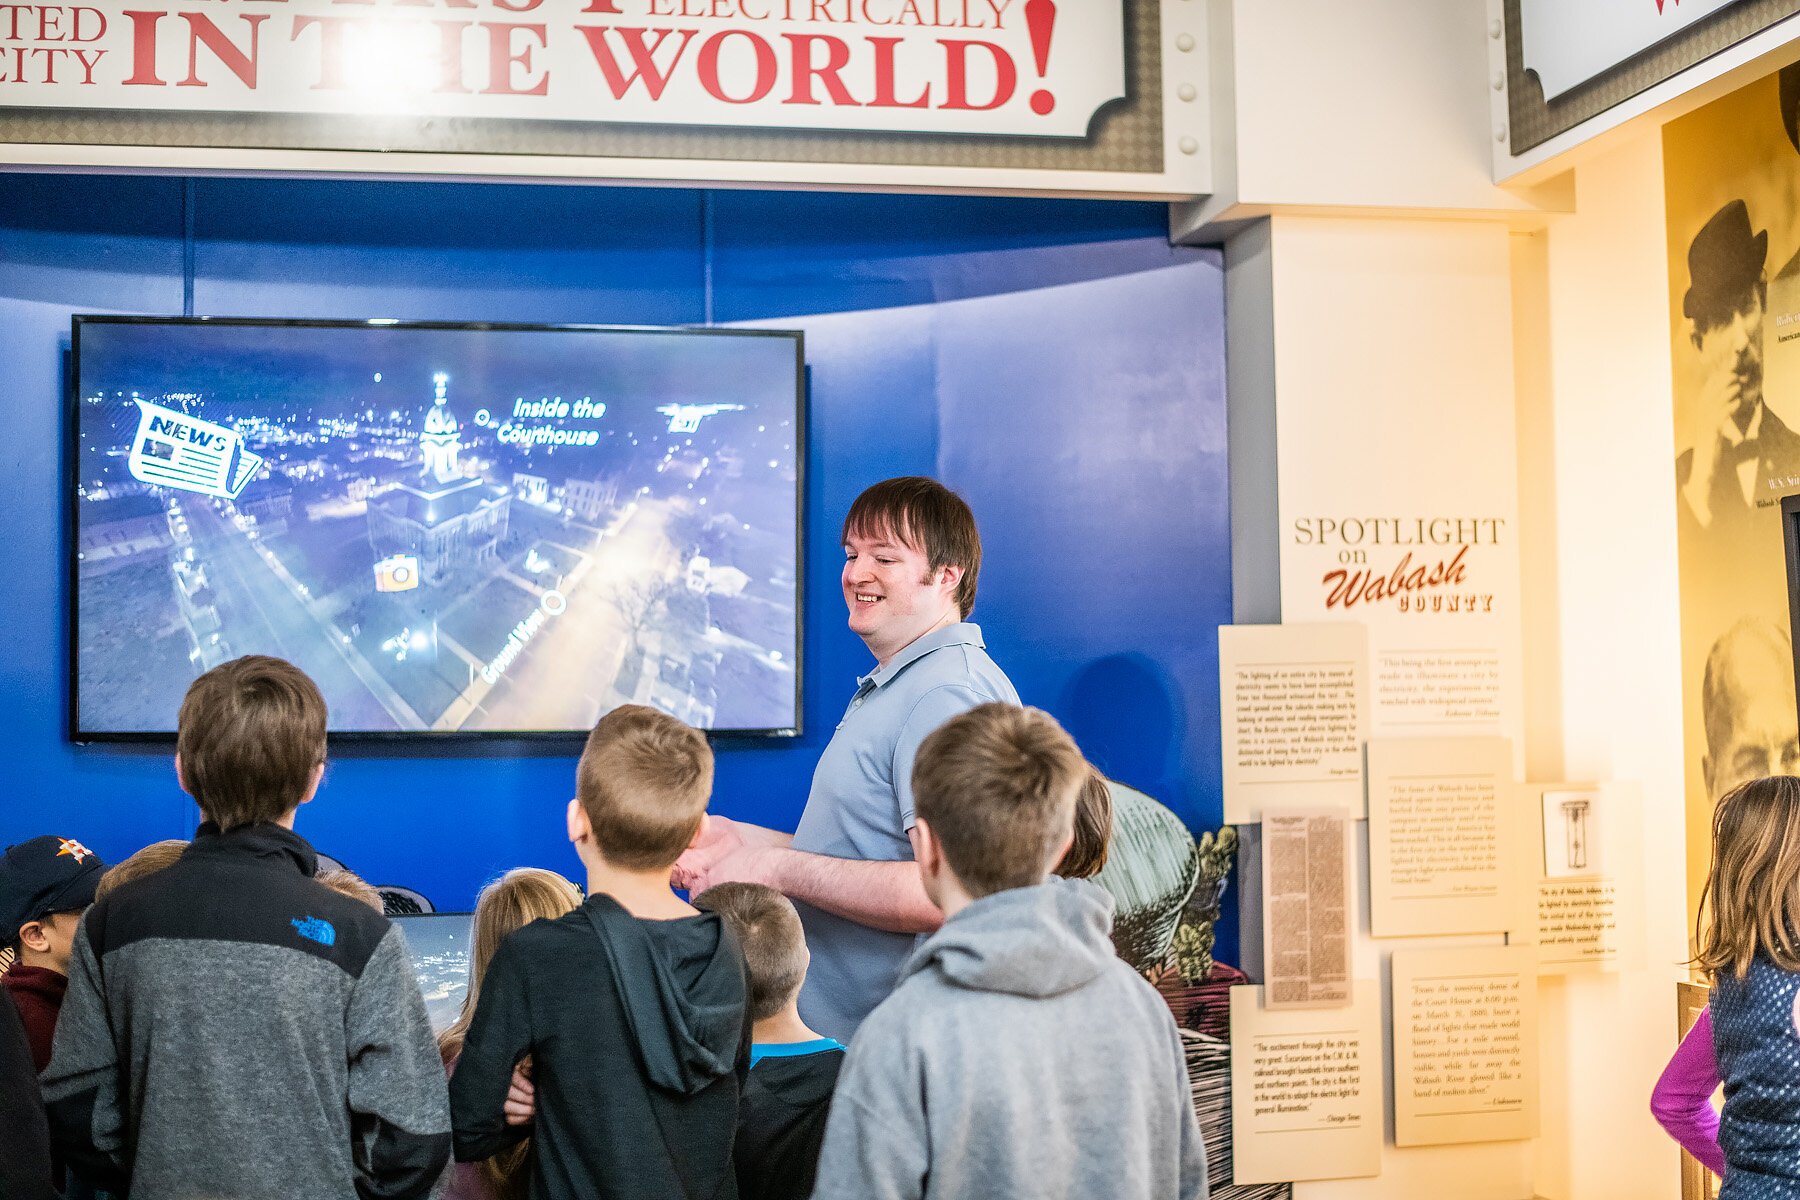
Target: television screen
x=439, y=943
x=1790, y=539
x=455, y=530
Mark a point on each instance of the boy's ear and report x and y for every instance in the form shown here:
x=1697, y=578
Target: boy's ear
x=580, y=832
x=306, y=797
x=925, y=847
x=700, y=830
x=312, y=787
x=179, y=777
x=1062, y=852
x=34, y=937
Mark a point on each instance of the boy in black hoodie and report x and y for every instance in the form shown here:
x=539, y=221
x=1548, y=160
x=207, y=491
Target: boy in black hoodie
x=633, y=1007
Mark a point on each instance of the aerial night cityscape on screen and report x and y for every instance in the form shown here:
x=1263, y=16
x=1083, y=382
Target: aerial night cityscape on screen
x=452, y=530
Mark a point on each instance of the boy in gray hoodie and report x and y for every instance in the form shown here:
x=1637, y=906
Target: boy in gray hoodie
x=1018, y=1057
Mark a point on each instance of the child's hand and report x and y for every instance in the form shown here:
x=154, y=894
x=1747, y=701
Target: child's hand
x=521, y=1097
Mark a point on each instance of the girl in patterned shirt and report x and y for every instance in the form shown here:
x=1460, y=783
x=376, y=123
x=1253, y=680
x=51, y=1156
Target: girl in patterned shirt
x=1749, y=938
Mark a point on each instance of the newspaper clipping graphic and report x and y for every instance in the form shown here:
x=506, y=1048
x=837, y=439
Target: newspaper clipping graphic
x=174, y=450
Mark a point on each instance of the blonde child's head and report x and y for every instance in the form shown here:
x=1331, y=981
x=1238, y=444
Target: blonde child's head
x=1751, y=904
x=509, y=903
x=349, y=883
x=641, y=788
x=148, y=861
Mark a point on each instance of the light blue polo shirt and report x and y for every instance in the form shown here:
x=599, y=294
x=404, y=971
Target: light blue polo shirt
x=861, y=807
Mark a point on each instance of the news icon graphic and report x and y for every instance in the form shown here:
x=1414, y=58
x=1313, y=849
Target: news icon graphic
x=397, y=573
x=174, y=450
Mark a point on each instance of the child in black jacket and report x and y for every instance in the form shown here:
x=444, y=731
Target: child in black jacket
x=25, y=1150
x=233, y=1027
x=793, y=1070
x=632, y=1007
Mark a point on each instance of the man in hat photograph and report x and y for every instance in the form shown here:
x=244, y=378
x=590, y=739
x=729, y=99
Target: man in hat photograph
x=1736, y=454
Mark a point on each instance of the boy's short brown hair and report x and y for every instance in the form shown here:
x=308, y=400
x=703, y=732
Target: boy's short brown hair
x=930, y=518
x=997, y=786
x=643, y=780
x=1093, y=830
x=774, y=944
x=251, y=734
x=349, y=883
x=148, y=861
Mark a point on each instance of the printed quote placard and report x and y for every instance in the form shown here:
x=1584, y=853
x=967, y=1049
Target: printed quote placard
x=1305, y=1089
x=1465, y=1045
x=1448, y=845
x=1294, y=704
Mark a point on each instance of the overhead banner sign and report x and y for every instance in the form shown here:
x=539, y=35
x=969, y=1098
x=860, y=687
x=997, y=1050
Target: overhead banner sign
x=1568, y=42
x=969, y=67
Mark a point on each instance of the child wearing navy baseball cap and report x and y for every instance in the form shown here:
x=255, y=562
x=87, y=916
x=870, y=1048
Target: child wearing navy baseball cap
x=45, y=886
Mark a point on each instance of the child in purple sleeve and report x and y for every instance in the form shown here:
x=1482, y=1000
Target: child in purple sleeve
x=1682, y=1099
x=1747, y=950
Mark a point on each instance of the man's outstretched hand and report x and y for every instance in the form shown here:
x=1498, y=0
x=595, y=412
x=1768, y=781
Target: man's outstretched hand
x=728, y=851
x=881, y=895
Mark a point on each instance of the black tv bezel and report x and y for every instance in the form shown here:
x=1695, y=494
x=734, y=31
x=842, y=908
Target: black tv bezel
x=1790, y=545
x=542, y=740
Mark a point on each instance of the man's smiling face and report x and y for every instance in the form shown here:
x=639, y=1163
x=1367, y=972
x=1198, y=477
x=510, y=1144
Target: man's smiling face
x=893, y=597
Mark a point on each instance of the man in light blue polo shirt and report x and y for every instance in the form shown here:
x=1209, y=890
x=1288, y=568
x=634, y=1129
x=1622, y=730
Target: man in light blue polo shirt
x=911, y=557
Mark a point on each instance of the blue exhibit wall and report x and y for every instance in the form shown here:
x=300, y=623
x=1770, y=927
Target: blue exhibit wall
x=1055, y=361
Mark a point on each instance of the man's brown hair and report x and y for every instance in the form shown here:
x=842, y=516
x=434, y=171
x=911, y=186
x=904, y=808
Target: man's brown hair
x=251, y=734
x=643, y=781
x=774, y=945
x=927, y=516
x=997, y=786
x=1093, y=830
x=146, y=862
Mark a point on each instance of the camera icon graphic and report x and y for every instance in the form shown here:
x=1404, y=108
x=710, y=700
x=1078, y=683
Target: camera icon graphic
x=397, y=573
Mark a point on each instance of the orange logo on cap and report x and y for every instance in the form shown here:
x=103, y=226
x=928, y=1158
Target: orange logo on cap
x=73, y=849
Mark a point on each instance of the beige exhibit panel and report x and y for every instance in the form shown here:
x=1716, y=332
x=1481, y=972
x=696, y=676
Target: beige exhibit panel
x=1306, y=908
x=1449, y=849
x=1395, y=510
x=1305, y=1089
x=1590, y=890
x=1392, y=386
x=1465, y=1045
x=1294, y=708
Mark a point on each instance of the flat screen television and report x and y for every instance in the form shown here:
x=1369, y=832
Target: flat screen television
x=439, y=943
x=458, y=530
x=1790, y=544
